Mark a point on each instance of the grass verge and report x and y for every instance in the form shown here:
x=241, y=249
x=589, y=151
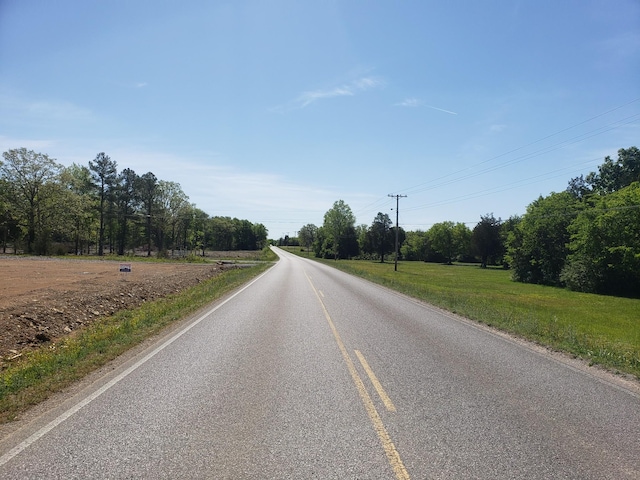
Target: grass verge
x=43, y=372
x=601, y=329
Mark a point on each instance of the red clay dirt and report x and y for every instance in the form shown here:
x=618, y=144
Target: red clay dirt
x=45, y=299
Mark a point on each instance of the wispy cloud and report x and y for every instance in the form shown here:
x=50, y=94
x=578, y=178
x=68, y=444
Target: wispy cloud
x=307, y=98
x=409, y=102
x=346, y=90
x=415, y=102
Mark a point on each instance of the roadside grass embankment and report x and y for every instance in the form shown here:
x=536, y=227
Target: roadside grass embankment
x=603, y=330
x=39, y=374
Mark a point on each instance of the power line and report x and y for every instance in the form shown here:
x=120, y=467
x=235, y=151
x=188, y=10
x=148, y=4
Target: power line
x=529, y=144
x=500, y=189
x=447, y=179
x=522, y=158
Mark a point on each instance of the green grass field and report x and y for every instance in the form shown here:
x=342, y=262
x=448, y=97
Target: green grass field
x=603, y=330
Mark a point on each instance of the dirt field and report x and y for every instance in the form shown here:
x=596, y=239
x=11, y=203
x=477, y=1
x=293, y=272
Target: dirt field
x=44, y=299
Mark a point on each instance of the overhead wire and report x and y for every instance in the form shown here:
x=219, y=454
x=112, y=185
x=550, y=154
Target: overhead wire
x=408, y=190
x=499, y=189
x=430, y=185
x=548, y=149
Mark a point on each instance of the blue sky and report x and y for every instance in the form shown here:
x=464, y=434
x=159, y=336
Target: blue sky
x=272, y=110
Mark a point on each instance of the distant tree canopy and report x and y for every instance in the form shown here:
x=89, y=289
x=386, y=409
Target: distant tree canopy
x=613, y=176
x=46, y=208
x=604, y=250
x=416, y=246
x=586, y=238
x=538, y=246
x=338, y=233
x=450, y=240
x=379, y=238
x=485, y=239
x=308, y=235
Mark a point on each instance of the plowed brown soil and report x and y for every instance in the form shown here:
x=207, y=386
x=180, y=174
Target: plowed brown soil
x=45, y=299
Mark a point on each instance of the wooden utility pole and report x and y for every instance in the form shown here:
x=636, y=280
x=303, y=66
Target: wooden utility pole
x=397, y=197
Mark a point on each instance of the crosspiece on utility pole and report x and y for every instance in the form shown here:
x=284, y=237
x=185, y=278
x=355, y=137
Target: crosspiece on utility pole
x=397, y=197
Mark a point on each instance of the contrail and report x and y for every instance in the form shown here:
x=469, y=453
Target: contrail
x=441, y=109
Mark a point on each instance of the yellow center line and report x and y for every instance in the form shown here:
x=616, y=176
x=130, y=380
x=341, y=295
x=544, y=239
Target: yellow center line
x=376, y=384
x=392, y=454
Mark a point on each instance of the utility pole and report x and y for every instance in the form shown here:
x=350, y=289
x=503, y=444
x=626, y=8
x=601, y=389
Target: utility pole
x=397, y=197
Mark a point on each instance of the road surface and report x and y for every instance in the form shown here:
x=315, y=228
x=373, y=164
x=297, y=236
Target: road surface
x=311, y=373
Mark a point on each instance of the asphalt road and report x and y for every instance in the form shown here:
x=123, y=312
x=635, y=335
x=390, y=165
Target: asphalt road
x=310, y=373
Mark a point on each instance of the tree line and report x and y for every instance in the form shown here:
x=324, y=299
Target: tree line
x=46, y=208
x=586, y=238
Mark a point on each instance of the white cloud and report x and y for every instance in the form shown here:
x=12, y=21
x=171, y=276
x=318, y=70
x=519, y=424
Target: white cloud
x=346, y=90
x=309, y=97
x=409, y=102
x=366, y=83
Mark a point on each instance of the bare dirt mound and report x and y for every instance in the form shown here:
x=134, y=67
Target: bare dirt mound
x=45, y=299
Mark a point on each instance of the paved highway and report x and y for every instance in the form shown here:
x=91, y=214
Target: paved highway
x=310, y=373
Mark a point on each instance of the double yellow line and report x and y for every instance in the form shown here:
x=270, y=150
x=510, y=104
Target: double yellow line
x=392, y=454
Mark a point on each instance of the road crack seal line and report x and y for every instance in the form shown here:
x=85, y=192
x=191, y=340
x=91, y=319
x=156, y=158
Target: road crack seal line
x=392, y=454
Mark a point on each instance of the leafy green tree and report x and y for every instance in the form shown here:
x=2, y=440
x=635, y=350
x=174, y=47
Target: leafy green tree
x=579, y=188
x=222, y=233
x=416, y=246
x=613, y=176
x=485, y=239
x=260, y=234
x=339, y=225
x=103, y=173
x=29, y=173
x=348, y=245
x=127, y=201
x=450, y=239
x=320, y=245
x=172, y=207
x=462, y=236
x=243, y=235
x=380, y=238
x=441, y=239
x=605, y=245
x=361, y=236
x=507, y=234
x=307, y=235
x=147, y=189
x=80, y=204
x=200, y=231
x=538, y=246
x=9, y=224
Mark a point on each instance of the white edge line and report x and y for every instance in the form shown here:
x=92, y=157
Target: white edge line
x=87, y=400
